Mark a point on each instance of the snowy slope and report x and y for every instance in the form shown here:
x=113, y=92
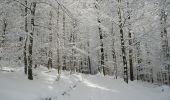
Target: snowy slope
x=15, y=86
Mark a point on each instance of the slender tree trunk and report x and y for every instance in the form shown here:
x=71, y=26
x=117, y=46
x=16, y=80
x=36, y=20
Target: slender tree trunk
x=114, y=52
x=25, y=56
x=101, y=40
x=73, y=45
x=30, y=76
x=2, y=44
x=122, y=42
x=102, y=50
x=89, y=60
x=58, y=44
x=130, y=43
x=138, y=59
x=64, y=38
x=50, y=44
x=5, y=24
x=25, y=45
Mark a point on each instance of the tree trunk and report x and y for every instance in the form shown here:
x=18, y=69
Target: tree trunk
x=122, y=43
x=58, y=45
x=4, y=30
x=130, y=45
x=89, y=60
x=30, y=76
x=73, y=45
x=25, y=46
x=50, y=43
x=101, y=40
x=114, y=52
x=25, y=56
x=64, y=38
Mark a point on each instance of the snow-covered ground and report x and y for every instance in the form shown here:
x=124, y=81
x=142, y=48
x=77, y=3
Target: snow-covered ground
x=16, y=86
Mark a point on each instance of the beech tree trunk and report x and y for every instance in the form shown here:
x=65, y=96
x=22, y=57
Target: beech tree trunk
x=130, y=44
x=114, y=52
x=101, y=40
x=122, y=42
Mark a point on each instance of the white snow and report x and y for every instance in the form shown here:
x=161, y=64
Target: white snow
x=16, y=86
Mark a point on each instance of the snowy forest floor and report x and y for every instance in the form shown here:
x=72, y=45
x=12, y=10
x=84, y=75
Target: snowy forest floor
x=15, y=86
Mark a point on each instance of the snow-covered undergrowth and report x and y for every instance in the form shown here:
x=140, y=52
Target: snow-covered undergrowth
x=16, y=86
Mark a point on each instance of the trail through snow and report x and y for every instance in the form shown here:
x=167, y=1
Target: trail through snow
x=15, y=86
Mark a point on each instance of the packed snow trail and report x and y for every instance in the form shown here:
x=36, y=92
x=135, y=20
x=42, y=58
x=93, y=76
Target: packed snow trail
x=15, y=86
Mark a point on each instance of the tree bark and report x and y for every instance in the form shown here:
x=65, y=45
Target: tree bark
x=122, y=42
x=130, y=44
x=64, y=38
x=114, y=52
x=89, y=60
x=101, y=40
x=50, y=43
x=30, y=76
x=25, y=45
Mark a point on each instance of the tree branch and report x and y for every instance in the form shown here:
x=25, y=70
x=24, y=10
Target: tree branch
x=22, y=4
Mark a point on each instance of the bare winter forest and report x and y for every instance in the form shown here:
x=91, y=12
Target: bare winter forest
x=84, y=49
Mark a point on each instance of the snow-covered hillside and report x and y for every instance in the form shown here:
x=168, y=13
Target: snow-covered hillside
x=15, y=86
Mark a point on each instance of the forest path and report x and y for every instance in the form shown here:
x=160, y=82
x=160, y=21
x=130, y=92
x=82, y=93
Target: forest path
x=100, y=87
x=16, y=86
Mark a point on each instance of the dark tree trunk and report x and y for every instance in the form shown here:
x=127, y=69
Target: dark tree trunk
x=64, y=38
x=130, y=43
x=89, y=60
x=25, y=45
x=4, y=30
x=30, y=76
x=101, y=40
x=122, y=43
x=58, y=51
x=25, y=57
x=102, y=50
